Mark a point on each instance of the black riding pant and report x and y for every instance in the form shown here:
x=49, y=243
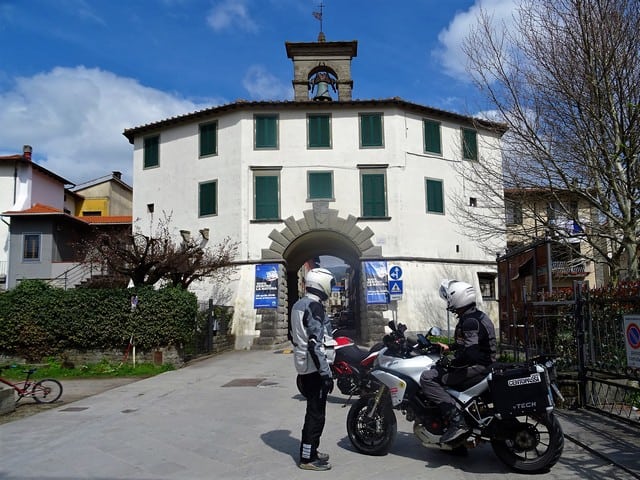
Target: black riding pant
x=314, y=417
x=434, y=380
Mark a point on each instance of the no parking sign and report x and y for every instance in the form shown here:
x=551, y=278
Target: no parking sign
x=632, y=339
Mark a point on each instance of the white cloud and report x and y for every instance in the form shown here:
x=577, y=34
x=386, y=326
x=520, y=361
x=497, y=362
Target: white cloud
x=74, y=119
x=450, y=52
x=262, y=85
x=230, y=14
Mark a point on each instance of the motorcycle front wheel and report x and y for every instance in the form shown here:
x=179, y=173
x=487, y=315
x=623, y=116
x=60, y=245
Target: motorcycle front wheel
x=531, y=444
x=371, y=434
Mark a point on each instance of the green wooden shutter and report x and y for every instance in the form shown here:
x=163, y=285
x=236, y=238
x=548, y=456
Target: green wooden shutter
x=151, y=152
x=320, y=185
x=371, y=130
x=266, y=197
x=432, y=141
x=469, y=144
x=208, y=139
x=208, y=199
x=435, y=198
x=373, y=195
x=266, y=131
x=319, y=131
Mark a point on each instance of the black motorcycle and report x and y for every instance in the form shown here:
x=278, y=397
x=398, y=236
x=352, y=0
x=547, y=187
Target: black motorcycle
x=348, y=362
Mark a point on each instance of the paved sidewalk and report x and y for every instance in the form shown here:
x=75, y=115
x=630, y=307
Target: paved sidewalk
x=239, y=416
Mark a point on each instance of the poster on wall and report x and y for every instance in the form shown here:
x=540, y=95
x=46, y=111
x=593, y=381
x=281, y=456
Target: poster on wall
x=377, y=282
x=266, y=289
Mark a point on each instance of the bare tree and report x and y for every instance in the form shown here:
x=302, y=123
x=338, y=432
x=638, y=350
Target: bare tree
x=566, y=82
x=148, y=259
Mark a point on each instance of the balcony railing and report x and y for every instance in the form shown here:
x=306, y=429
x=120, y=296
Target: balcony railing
x=570, y=268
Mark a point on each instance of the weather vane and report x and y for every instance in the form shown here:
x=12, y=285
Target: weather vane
x=318, y=16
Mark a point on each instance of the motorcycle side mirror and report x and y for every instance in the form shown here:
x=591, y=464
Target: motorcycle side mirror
x=392, y=325
x=435, y=331
x=422, y=340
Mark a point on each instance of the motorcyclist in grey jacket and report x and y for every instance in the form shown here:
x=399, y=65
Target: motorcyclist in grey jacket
x=309, y=325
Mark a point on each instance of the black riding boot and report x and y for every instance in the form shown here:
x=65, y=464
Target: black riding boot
x=457, y=426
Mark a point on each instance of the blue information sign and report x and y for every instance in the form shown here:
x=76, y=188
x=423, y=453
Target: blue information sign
x=395, y=289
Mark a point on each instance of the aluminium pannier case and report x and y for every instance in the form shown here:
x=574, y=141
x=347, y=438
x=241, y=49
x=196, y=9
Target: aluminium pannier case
x=519, y=390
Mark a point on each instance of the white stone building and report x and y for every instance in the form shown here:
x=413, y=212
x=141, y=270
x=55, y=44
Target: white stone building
x=324, y=174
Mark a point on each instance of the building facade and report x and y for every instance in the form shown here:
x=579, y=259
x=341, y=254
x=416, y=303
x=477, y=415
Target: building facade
x=367, y=181
x=43, y=221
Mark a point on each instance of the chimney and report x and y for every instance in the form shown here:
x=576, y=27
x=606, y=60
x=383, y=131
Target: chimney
x=117, y=175
x=26, y=152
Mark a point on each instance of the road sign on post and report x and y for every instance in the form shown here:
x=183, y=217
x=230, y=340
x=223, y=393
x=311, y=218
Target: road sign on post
x=395, y=282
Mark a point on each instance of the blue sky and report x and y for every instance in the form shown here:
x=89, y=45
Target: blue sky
x=75, y=73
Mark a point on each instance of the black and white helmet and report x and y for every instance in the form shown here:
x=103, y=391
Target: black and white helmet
x=319, y=281
x=458, y=295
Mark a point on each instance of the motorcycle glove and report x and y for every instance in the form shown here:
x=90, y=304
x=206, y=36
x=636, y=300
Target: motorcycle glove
x=327, y=384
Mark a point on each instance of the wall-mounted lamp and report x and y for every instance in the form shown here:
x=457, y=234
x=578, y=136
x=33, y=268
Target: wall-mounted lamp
x=186, y=235
x=205, y=233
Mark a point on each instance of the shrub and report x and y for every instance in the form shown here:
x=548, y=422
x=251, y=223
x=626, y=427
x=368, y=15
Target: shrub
x=37, y=320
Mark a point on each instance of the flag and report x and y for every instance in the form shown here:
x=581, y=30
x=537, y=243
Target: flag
x=318, y=15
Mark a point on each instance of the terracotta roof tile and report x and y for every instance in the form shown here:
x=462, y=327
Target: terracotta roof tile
x=38, y=208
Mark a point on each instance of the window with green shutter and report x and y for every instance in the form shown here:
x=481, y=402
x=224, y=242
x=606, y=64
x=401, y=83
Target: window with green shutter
x=319, y=131
x=435, y=196
x=208, y=199
x=320, y=185
x=151, y=151
x=469, y=144
x=266, y=131
x=208, y=139
x=374, y=202
x=371, y=130
x=266, y=193
x=432, y=142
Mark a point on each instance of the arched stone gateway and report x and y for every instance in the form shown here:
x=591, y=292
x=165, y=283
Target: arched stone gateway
x=320, y=231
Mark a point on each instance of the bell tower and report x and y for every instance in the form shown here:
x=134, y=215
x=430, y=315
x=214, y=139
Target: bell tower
x=322, y=69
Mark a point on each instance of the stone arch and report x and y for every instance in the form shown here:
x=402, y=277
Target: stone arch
x=320, y=218
x=322, y=231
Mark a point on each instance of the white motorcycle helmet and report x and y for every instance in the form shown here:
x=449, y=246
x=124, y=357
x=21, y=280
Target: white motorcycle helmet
x=319, y=281
x=458, y=295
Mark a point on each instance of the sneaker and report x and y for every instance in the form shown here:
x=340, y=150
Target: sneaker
x=457, y=428
x=316, y=465
x=323, y=457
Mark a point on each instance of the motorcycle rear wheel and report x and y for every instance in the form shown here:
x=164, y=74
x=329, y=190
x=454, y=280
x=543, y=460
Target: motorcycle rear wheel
x=371, y=435
x=533, y=445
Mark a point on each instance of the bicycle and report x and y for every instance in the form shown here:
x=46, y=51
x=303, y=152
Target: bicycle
x=47, y=390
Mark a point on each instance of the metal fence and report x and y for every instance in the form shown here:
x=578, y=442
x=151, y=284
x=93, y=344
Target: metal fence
x=586, y=333
x=212, y=331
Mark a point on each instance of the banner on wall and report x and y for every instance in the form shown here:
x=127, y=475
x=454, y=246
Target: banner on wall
x=377, y=282
x=266, y=289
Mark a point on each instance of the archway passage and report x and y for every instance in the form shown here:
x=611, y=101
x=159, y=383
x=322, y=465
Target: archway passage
x=320, y=232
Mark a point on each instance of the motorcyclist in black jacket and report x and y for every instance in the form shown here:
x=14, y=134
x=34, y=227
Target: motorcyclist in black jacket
x=474, y=349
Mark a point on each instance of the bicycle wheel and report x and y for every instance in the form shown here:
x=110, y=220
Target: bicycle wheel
x=47, y=390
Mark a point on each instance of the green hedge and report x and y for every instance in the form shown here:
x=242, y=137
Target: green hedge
x=37, y=320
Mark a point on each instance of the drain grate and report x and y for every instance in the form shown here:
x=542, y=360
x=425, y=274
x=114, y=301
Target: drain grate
x=244, y=382
x=74, y=409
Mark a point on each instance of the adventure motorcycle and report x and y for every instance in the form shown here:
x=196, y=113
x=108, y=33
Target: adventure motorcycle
x=511, y=407
x=348, y=363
